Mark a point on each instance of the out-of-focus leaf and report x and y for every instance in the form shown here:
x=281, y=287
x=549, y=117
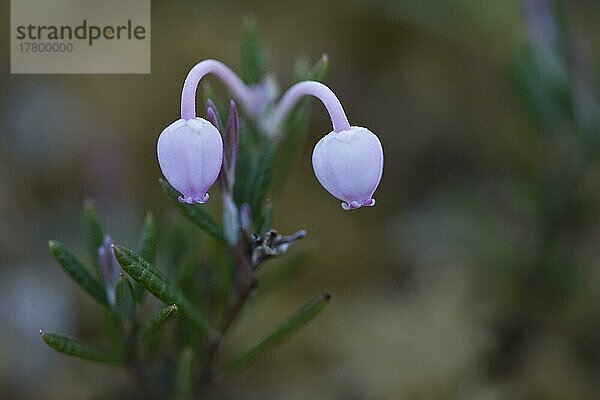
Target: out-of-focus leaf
x=143, y=273
x=253, y=55
x=187, y=335
x=221, y=285
x=265, y=224
x=186, y=274
x=80, y=349
x=184, y=374
x=112, y=328
x=124, y=301
x=181, y=240
x=156, y=322
x=92, y=234
x=543, y=93
x=148, y=239
x=317, y=73
x=72, y=266
x=296, y=321
x=195, y=214
x=282, y=269
x=261, y=176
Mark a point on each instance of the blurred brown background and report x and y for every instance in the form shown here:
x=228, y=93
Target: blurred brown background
x=422, y=307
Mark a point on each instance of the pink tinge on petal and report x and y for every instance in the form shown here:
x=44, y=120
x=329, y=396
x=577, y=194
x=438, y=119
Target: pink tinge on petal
x=369, y=203
x=352, y=205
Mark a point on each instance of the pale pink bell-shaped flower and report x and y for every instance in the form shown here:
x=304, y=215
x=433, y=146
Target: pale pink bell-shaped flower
x=190, y=150
x=190, y=154
x=349, y=164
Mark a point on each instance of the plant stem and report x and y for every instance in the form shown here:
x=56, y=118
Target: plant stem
x=135, y=366
x=245, y=282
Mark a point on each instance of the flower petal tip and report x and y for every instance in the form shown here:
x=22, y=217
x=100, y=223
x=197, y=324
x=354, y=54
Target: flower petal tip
x=194, y=199
x=353, y=205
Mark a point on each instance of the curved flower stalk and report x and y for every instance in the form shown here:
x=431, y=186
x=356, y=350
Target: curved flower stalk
x=295, y=93
x=246, y=96
x=348, y=162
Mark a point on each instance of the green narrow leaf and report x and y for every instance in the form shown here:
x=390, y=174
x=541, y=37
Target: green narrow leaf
x=186, y=274
x=75, y=269
x=154, y=324
x=317, y=73
x=181, y=242
x=147, y=248
x=296, y=321
x=92, y=234
x=261, y=176
x=187, y=335
x=80, y=349
x=112, y=328
x=253, y=55
x=221, y=281
x=195, y=214
x=265, y=224
x=148, y=239
x=184, y=374
x=124, y=301
x=143, y=273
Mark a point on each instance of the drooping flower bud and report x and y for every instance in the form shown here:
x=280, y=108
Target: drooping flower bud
x=348, y=162
x=349, y=165
x=190, y=150
x=109, y=267
x=190, y=154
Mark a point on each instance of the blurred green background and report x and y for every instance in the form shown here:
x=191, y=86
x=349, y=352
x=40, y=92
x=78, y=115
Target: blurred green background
x=475, y=276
